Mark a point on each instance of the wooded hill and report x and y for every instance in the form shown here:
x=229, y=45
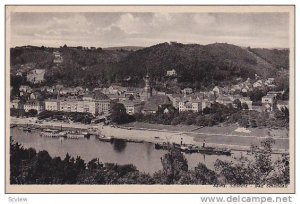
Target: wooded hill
x=196, y=65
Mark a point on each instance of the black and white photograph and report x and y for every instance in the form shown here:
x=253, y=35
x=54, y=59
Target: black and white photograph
x=150, y=99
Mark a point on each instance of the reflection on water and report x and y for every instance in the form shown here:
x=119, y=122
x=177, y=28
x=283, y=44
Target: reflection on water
x=143, y=155
x=119, y=145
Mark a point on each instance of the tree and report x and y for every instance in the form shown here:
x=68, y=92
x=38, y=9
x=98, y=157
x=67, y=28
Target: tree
x=131, y=97
x=174, y=165
x=32, y=113
x=245, y=106
x=118, y=114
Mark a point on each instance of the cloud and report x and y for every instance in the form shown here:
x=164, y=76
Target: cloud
x=116, y=29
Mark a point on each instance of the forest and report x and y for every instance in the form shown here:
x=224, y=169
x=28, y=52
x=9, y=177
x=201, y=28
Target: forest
x=197, y=66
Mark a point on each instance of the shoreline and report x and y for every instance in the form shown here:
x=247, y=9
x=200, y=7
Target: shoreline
x=134, y=134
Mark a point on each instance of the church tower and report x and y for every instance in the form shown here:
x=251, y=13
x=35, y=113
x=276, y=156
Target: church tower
x=147, y=88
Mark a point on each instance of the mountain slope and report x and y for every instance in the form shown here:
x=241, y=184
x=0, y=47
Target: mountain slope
x=196, y=65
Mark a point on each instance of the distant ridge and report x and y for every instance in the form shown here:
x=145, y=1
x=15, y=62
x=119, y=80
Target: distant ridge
x=129, y=48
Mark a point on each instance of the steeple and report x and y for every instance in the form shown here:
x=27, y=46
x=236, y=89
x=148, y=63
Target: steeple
x=147, y=88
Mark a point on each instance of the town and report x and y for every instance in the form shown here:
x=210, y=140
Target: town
x=145, y=100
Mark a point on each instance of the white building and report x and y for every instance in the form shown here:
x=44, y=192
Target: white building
x=16, y=104
x=34, y=105
x=171, y=72
x=194, y=106
x=187, y=91
x=52, y=105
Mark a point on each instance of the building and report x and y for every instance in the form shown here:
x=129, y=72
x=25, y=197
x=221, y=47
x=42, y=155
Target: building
x=116, y=97
x=217, y=90
x=86, y=106
x=132, y=107
x=247, y=101
x=69, y=105
x=57, y=57
x=194, y=106
x=171, y=72
x=282, y=104
x=187, y=91
x=116, y=89
x=155, y=102
x=36, y=76
x=268, y=102
x=39, y=106
x=206, y=104
x=102, y=107
x=175, y=99
x=25, y=89
x=225, y=100
x=52, y=105
x=16, y=104
x=36, y=96
x=257, y=84
x=148, y=88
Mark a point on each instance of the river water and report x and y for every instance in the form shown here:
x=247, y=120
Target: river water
x=143, y=155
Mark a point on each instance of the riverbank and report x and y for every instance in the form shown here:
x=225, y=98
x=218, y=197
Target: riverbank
x=133, y=132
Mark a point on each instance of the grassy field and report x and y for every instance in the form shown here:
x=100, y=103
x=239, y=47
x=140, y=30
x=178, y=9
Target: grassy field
x=182, y=128
x=220, y=129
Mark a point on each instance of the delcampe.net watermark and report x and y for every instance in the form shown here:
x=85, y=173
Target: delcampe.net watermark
x=246, y=199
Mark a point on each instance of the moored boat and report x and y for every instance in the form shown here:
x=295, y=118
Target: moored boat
x=104, y=138
x=195, y=149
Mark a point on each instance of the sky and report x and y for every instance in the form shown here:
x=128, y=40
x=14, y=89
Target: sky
x=263, y=30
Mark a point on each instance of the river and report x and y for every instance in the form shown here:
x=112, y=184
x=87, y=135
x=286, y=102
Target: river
x=143, y=155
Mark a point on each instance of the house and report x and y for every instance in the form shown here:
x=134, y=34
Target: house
x=116, y=97
x=282, y=104
x=102, y=106
x=149, y=108
x=25, y=89
x=68, y=105
x=206, y=104
x=225, y=100
x=171, y=72
x=39, y=106
x=175, y=99
x=269, y=81
x=36, y=76
x=187, y=91
x=36, y=96
x=154, y=102
x=194, y=106
x=16, y=104
x=52, y=105
x=116, y=89
x=257, y=84
x=88, y=97
x=247, y=101
x=132, y=107
x=86, y=106
x=268, y=102
x=57, y=57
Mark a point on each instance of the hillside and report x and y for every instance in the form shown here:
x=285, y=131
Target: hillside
x=276, y=57
x=128, y=48
x=196, y=65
